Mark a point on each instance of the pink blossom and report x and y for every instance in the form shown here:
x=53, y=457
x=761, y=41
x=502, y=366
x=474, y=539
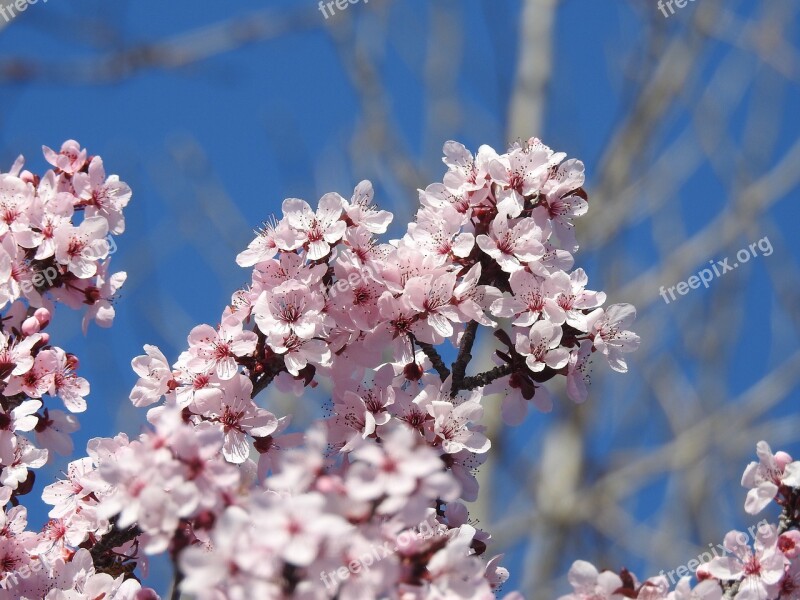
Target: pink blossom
x=757, y=570
x=15, y=197
x=433, y=297
x=316, y=231
x=608, y=329
x=269, y=240
x=541, y=347
x=70, y=159
x=79, y=248
x=217, y=349
x=154, y=377
x=522, y=172
x=361, y=211
x=589, y=584
x=53, y=429
x=511, y=246
x=238, y=417
x=102, y=294
x=103, y=196
x=763, y=478
x=289, y=309
x=451, y=425
x=66, y=384
x=532, y=298
x=708, y=589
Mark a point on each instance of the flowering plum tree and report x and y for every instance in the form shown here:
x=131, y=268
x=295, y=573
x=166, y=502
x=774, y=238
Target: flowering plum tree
x=368, y=502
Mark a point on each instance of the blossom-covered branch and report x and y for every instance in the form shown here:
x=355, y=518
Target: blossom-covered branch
x=328, y=301
x=766, y=567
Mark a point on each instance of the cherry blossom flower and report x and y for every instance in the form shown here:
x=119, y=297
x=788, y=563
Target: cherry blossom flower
x=395, y=470
x=563, y=202
x=439, y=234
x=154, y=376
x=316, y=230
x=532, y=298
x=66, y=384
x=103, y=196
x=433, y=296
x=270, y=239
x=362, y=213
x=80, y=247
x=102, y=295
x=522, y=172
x=757, y=570
x=289, y=309
x=70, y=159
x=589, y=584
x=237, y=416
x=53, y=429
x=15, y=196
x=541, y=347
x=513, y=246
x=217, y=349
x=577, y=376
x=608, y=329
x=451, y=425
x=763, y=478
x=708, y=589
x=574, y=298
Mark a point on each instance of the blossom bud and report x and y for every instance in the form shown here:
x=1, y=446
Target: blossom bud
x=29, y=177
x=43, y=316
x=413, y=372
x=30, y=326
x=782, y=459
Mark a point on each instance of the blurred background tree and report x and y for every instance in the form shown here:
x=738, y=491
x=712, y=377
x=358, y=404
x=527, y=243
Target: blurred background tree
x=688, y=124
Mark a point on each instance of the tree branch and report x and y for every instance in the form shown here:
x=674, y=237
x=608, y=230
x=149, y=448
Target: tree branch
x=435, y=358
x=476, y=381
x=464, y=356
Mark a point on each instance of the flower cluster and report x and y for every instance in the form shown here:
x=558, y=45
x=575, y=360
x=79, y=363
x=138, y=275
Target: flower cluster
x=53, y=248
x=55, y=241
x=767, y=569
x=246, y=509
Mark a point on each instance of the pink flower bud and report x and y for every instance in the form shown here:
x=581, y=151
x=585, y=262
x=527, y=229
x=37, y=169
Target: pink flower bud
x=30, y=326
x=43, y=316
x=782, y=459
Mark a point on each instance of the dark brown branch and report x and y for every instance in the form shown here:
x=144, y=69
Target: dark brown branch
x=264, y=381
x=435, y=358
x=113, y=539
x=464, y=356
x=176, y=583
x=476, y=381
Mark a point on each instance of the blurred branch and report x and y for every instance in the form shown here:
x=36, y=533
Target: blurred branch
x=172, y=53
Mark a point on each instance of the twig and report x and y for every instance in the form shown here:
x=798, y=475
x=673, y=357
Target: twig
x=464, y=356
x=435, y=358
x=476, y=381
